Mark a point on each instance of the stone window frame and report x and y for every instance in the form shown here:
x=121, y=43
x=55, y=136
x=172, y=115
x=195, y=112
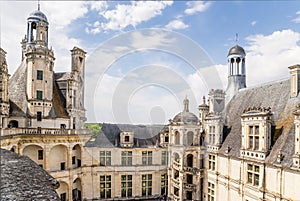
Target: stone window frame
x=105, y=186
x=212, y=134
x=39, y=75
x=164, y=184
x=164, y=158
x=211, y=162
x=39, y=95
x=147, y=157
x=253, y=174
x=126, y=185
x=126, y=158
x=146, y=184
x=210, y=191
x=253, y=136
x=105, y=158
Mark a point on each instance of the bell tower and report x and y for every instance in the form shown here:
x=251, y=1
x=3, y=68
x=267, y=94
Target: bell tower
x=39, y=61
x=236, y=71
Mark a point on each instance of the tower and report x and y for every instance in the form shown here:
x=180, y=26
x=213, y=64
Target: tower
x=39, y=61
x=236, y=71
x=4, y=101
x=75, y=96
x=203, y=110
x=184, y=173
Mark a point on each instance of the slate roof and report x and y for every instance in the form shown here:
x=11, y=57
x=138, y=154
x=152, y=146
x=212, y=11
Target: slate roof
x=18, y=98
x=275, y=95
x=17, y=92
x=23, y=180
x=144, y=135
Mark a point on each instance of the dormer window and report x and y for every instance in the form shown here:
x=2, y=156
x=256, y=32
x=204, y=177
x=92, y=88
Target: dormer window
x=256, y=132
x=126, y=139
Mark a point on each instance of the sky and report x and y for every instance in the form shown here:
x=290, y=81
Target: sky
x=145, y=57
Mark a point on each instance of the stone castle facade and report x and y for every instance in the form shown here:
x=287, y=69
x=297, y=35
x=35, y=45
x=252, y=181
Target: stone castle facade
x=243, y=145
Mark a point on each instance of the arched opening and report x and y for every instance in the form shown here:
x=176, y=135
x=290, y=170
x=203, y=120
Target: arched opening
x=190, y=138
x=63, y=190
x=13, y=149
x=189, y=160
x=35, y=153
x=76, y=156
x=58, y=158
x=238, y=66
x=76, y=190
x=13, y=124
x=177, y=138
x=33, y=31
x=176, y=157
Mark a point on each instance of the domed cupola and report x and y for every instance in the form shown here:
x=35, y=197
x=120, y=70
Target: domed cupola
x=186, y=117
x=38, y=16
x=37, y=28
x=236, y=71
x=237, y=50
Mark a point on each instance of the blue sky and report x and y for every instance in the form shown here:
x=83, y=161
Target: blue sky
x=145, y=57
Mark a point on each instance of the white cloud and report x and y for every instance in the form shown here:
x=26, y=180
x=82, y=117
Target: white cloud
x=268, y=56
x=176, y=24
x=297, y=19
x=196, y=6
x=124, y=15
x=253, y=23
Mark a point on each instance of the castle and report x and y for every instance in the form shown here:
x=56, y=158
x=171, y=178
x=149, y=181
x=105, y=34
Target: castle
x=243, y=144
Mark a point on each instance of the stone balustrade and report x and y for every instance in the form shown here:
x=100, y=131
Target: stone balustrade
x=43, y=131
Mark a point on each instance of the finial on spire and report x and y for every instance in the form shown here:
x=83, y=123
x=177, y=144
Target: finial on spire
x=204, y=100
x=236, y=38
x=39, y=5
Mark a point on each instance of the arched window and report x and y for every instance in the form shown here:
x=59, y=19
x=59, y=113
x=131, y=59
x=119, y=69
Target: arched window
x=13, y=124
x=177, y=138
x=189, y=160
x=76, y=190
x=190, y=138
x=176, y=157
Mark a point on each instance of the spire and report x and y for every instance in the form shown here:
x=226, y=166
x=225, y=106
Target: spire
x=186, y=104
x=236, y=38
x=39, y=5
x=204, y=100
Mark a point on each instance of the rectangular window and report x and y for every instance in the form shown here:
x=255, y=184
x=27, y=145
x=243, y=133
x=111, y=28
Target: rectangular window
x=253, y=137
x=105, y=186
x=166, y=138
x=146, y=184
x=126, y=138
x=256, y=130
x=212, y=162
x=39, y=116
x=40, y=154
x=126, y=157
x=164, y=184
x=126, y=185
x=211, y=192
x=73, y=160
x=147, y=157
x=39, y=75
x=39, y=95
x=105, y=158
x=164, y=157
x=62, y=166
x=63, y=197
x=253, y=174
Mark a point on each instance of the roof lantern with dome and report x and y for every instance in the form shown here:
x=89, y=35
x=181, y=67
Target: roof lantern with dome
x=185, y=116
